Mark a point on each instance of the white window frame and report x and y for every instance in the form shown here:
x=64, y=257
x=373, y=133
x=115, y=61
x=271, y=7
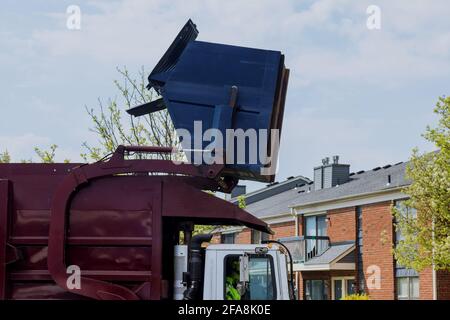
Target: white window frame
x=344, y=285
x=408, y=297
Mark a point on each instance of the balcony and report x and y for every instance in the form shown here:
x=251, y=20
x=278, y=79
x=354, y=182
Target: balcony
x=304, y=248
x=316, y=253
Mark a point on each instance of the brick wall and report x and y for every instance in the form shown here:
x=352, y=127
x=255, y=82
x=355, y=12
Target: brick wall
x=285, y=229
x=377, y=245
x=342, y=224
x=443, y=285
x=426, y=284
x=243, y=237
x=282, y=230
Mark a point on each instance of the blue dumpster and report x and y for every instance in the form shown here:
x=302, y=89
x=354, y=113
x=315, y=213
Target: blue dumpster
x=221, y=87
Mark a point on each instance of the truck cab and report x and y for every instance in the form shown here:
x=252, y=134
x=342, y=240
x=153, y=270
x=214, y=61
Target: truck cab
x=258, y=271
x=231, y=272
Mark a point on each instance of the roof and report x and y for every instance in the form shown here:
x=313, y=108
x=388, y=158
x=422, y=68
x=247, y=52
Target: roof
x=277, y=204
x=335, y=252
x=361, y=183
x=273, y=189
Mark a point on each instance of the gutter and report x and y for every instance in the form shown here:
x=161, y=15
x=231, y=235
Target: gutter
x=262, y=190
x=274, y=216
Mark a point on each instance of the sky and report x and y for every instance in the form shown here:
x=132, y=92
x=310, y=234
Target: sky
x=363, y=94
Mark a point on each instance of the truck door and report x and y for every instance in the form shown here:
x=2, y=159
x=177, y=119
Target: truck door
x=261, y=284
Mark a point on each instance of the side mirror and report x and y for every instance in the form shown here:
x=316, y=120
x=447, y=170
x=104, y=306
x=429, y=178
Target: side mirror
x=243, y=269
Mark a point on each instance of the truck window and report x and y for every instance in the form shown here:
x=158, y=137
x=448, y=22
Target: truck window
x=261, y=284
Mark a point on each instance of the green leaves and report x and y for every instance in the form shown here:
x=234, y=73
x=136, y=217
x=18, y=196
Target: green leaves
x=47, y=156
x=241, y=202
x=5, y=157
x=427, y=238
x=112, y=129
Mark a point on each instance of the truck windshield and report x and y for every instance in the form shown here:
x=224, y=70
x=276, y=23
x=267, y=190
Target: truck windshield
x=261, y=284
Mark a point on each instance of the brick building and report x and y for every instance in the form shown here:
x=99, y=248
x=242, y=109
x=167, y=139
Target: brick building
x=343, y=231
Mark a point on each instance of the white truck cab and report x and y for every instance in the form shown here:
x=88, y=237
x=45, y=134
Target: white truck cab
x=261, y=269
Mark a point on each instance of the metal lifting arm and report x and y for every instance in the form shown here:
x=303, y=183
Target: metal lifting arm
x=93, y=288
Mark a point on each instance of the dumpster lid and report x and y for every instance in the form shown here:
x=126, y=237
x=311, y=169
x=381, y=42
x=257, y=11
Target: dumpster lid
x=168, y=61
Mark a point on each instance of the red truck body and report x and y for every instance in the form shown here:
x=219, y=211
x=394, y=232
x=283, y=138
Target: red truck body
x=117, y=220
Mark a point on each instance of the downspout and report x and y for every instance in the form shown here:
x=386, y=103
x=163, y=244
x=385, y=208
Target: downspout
x=434, y=280
x=434, y=284
x=294, y=213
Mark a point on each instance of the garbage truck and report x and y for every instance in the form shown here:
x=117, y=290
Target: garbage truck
x=122, y=228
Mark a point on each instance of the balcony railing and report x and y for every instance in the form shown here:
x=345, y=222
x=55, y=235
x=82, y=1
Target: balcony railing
x=304, y=248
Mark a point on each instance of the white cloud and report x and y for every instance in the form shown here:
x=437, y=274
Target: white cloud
x=137, y=32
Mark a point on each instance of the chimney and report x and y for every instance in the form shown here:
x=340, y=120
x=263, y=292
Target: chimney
x=238, y=191
x=331, y=174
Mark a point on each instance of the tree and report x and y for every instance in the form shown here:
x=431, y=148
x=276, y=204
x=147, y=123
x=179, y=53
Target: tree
x=113, y=129
x=47, y=156
x=241, y=202
x=5, y=157
x=426, y=236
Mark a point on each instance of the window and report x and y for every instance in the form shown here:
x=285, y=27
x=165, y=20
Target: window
x=342, y=287
x=408, y=288
x=257, y=237
x=315, y=226
x=405, y=212
x=261, y=284
x=316, y=290
x=228, y=238
x=407, y=279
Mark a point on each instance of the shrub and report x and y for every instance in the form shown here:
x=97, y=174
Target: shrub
x=356, y=296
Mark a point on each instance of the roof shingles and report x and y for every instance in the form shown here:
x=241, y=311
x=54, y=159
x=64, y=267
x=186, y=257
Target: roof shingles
x=360, y=183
